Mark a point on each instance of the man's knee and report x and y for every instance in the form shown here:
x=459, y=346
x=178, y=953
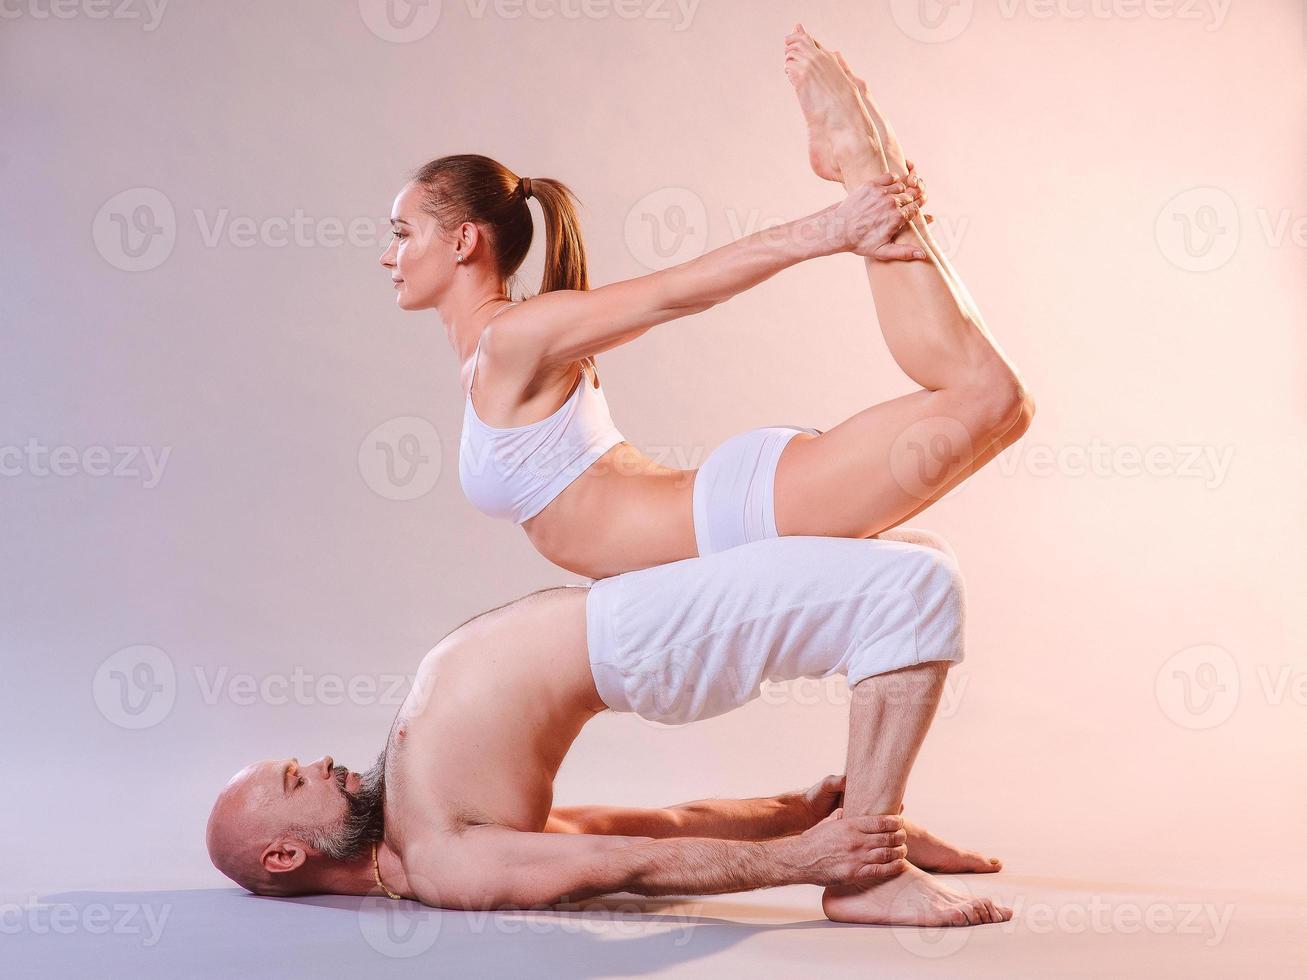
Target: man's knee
x=945, y=572
x=942, y=603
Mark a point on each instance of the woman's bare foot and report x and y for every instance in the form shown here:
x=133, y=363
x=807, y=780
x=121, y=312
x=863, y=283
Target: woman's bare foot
x=831, y=107
x=929, y=853
x=889, y=143
x=912, y=898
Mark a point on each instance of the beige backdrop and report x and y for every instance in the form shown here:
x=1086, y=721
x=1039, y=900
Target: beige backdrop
x=213, y=416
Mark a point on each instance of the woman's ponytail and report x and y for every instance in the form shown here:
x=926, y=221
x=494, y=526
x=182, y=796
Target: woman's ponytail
x=565, y=265
x=471, y=187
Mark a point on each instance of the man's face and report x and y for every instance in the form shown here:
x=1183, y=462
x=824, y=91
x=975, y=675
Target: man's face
x=278, y=817
x=335, y=811
x=311, y=795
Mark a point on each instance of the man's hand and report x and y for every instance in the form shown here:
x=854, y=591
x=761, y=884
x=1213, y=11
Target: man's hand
x=838, y=851
x=811, y=806
x=821, y=799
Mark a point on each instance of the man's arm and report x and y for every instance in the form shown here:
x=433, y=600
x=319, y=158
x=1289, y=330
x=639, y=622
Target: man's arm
x=493, y=867
x=758, y=819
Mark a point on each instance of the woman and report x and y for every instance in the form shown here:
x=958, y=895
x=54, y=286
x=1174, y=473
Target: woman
x=538, y=445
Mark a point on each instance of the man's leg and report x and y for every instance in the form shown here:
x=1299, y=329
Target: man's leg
x=694, y=639
x=888, y=721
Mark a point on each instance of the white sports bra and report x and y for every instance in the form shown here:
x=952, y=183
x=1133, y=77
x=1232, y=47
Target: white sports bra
x=514, y=473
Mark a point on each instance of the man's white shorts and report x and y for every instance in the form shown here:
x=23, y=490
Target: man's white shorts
x=696, y=638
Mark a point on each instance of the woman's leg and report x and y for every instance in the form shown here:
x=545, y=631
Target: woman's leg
x=890, y=461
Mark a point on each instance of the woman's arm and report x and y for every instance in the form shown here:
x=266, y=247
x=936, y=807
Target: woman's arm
x=564, y=326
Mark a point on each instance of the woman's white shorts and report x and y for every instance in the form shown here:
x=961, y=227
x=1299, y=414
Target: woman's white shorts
x=734, y=489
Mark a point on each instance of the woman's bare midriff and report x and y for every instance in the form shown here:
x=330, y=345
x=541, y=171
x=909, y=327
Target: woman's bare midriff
x=624, y=512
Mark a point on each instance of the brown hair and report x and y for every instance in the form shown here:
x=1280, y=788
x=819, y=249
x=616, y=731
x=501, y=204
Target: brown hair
x=471, y=187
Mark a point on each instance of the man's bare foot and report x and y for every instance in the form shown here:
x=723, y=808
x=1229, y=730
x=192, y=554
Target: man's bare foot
x=929, y=853
x=889, y=143
x=912, y=898
x=831, y=107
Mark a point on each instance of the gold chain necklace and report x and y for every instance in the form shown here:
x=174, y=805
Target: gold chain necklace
x=376, y=873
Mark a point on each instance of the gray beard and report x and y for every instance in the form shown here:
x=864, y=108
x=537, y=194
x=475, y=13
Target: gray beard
x=364, y=820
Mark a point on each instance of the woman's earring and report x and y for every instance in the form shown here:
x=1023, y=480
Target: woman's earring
x=458, y=257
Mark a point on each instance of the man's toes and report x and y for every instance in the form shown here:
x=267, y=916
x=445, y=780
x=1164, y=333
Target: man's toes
x=958, y=916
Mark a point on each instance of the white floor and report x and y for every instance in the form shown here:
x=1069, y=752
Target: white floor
x=1062, y=928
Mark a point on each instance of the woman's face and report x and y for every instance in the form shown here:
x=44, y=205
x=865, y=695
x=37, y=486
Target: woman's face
x=420, y=257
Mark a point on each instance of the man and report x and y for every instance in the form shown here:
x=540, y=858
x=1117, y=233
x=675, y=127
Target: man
x=465, y=782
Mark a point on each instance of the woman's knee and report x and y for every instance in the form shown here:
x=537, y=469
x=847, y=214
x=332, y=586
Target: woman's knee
x=994, y=405
x=1025, y=415
x=996, y=412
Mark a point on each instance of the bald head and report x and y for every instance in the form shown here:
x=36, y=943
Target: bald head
x=277, y=826
x=239, y=831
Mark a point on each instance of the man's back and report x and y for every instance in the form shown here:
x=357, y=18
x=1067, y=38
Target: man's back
x=493, y=710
